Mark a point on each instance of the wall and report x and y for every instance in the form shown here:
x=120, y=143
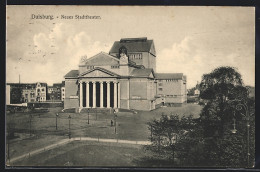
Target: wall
x=138, y=88
x=151, y=89
x=7, y=95
x=71, y=103
x=184, y=91
x=170, y=87
x=174, y=91
x=124, y=93
x=140, y=105
x=71, y=88
x=152, y=62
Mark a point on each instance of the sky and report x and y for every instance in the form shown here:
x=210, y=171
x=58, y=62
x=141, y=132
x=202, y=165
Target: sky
x=189, y=40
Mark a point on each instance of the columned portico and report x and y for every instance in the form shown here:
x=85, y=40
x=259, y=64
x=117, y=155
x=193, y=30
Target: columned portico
x=108, y=94
x=115, y=94
x=94, y=94
x=81, y=95
x=101, y=95
x=87, y=90
x=104, y=93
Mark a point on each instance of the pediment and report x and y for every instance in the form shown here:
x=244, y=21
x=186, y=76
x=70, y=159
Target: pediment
x=98, y=73
x=102, y=59
x=151, y=75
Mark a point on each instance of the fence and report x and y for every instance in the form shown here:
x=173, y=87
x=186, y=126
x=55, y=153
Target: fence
x=65, y=141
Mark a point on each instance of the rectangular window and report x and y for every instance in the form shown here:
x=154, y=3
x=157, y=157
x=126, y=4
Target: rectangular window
x=160, y=84
x=115, y=67
x=160, y=89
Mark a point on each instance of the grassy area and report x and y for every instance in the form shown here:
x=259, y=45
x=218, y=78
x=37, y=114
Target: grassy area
x=42, y=126
x=87, y=154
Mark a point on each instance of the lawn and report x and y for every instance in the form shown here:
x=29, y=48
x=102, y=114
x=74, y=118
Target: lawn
x=43, y=126
x=87, y=154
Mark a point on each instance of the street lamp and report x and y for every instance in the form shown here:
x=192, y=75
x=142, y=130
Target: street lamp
x=151, y=132
x=88, y=115
x=243, y=106
x=69, y=126
x=8, y=148
x=30, y=124
x=171, y=142
x=115, y=116
x=56, y=121
x=96, y=113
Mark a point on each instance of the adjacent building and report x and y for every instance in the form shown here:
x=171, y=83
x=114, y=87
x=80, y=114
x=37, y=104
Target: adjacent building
x=26, y=92
x=63, y=91
x=123, y=78
x=57, y=92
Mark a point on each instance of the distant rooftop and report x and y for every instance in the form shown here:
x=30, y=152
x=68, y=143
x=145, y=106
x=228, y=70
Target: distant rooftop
x=133, y=45
x=143, y=39
x=72, y=74
x=169, y=76
x=141, y=72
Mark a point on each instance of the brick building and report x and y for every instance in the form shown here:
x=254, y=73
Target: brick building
x=57, y=92
x=124, y=78
x=26, y=92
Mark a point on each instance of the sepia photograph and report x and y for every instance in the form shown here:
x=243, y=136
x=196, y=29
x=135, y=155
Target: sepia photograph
x=130, y=86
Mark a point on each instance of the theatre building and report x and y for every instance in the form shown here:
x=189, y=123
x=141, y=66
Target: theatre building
x=123, y=78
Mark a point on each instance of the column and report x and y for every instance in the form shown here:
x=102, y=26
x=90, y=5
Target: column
x=108, y=94
x=94, y=94
x=101, y=95
x=80, y=94
x=118, y=94
x=87, y=92
x=115, y=94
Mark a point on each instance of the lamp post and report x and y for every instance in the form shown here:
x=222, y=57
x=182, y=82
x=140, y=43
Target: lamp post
x=56, y=121
x=30, y=124
x=88, y=115
x=243, y=106
x=8, y=148
x=151, y=132
x=115, y=116
x=69, y=126
x=171, y=142
x=96, y=113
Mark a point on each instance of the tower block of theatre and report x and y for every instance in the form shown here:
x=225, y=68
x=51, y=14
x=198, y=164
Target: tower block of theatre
x=123, y=78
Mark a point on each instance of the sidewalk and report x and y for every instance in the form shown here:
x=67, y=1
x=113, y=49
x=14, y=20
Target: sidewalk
x=65, y=141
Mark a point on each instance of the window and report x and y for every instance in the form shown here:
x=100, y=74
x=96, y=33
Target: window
x=115, y=67
x=26, y=95
x=160, y=89
x=90, y=67
x=135, y=56
x=160, y=84
x=43, y=89
x=38, y=90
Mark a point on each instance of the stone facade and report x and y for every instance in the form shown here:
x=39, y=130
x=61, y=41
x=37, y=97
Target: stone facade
x=124, y=78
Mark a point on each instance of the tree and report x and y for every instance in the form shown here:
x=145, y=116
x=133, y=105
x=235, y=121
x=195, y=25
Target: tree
x=16, y=95
x=223, y=90
x=173, y=140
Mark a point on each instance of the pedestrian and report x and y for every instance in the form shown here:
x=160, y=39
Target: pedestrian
x=111, y=123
